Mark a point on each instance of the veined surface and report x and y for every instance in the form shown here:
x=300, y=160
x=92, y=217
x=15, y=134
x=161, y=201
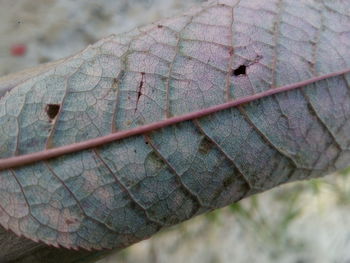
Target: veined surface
x=131, y=188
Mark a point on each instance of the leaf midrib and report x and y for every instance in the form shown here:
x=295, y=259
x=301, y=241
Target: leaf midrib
x=26, y=159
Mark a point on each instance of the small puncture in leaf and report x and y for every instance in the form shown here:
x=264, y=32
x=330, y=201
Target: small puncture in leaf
x=139, y=92
x=241, y=70
x=52, y=110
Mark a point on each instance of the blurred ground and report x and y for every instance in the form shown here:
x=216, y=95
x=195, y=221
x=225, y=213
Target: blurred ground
x=297, y=223
x=52, y=29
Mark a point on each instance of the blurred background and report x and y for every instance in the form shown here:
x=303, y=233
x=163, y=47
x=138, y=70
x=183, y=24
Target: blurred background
x=296, y=223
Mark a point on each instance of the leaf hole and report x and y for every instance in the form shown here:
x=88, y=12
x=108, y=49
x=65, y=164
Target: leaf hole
x=52, y=110
x=241, y=70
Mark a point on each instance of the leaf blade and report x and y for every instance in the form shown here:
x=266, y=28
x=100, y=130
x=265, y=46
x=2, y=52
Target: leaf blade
x=171, y=169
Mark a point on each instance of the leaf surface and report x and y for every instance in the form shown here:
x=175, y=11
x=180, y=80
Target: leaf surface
x=288, y=61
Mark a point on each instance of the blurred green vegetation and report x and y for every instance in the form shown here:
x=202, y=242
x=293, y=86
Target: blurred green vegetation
x=289, y=205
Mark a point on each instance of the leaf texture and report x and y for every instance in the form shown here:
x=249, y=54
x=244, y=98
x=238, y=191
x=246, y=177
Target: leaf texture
x=116, y=194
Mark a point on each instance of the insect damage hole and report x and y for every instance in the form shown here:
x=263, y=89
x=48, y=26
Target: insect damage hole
x=139, y=91
x=241, y=70
x=52, y=110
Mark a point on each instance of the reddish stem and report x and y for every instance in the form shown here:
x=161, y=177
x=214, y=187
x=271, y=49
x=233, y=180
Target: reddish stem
x=84, y=145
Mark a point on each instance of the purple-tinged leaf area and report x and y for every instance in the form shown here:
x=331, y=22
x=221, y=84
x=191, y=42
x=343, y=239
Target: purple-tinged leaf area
x=121, y=192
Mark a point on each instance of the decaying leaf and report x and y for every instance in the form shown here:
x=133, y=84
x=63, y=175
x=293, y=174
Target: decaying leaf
x=147, y=129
